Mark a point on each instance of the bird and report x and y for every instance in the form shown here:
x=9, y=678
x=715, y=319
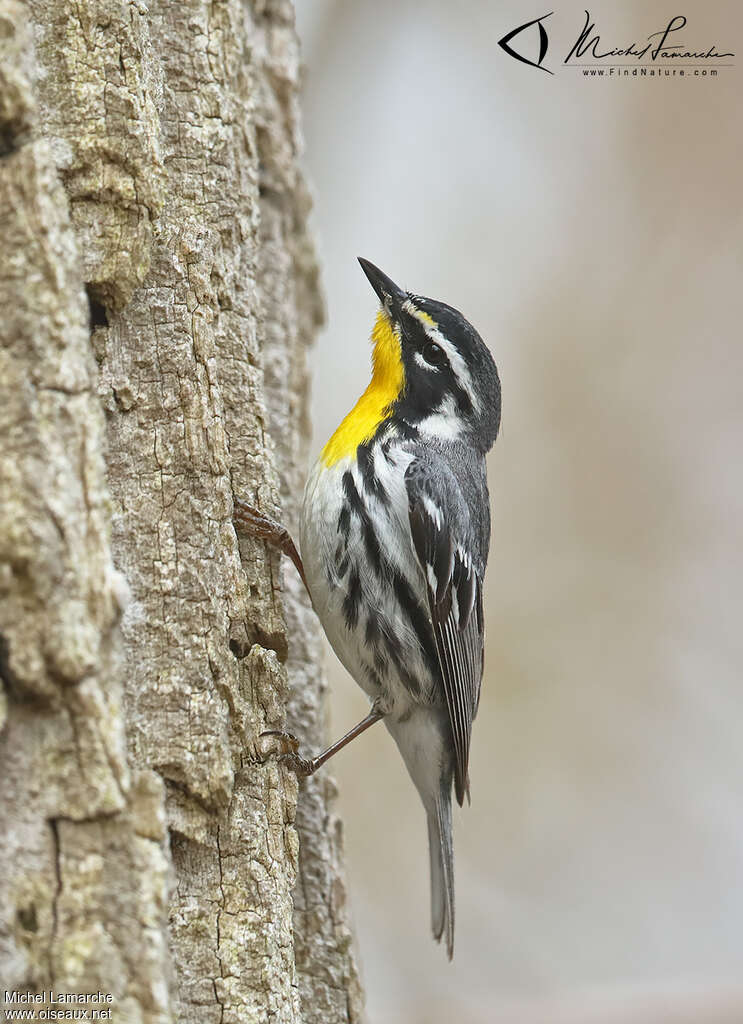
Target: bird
x=394, y=539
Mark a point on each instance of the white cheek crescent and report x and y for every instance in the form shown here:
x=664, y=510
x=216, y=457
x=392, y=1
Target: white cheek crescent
x=418, y=358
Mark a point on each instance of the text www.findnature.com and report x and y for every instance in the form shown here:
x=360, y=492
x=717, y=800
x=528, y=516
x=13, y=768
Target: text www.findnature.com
x=649, y=73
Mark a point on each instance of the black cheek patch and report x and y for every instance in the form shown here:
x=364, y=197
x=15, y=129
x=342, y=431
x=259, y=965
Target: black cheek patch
x=463, y=400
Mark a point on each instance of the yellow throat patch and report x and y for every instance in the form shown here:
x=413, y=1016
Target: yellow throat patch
x=388, y=380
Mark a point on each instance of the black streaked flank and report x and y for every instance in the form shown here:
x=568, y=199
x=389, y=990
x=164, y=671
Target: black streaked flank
x=371, y=630
x=386, y=571
x=344, y=521
x=372, y=676
x=355, y=504
x=397, y=656
x=371, y=541
x=374, y=638
x=380, y=663
x=352, y=600
x=372, y=484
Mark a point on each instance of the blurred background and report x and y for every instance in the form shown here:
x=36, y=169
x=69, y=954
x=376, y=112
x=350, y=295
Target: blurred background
x=590, y=228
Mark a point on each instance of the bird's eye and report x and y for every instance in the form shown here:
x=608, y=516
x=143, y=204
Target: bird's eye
x=433, y=354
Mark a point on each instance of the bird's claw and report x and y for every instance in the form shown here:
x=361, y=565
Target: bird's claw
x=253, y=522
x=299, y=765
x=284, y=747
x=274, y=742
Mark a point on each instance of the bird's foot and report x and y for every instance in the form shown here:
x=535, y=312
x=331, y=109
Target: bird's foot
x=284, y=747
x=249, y=520
x=299, y=765
x=253, y=522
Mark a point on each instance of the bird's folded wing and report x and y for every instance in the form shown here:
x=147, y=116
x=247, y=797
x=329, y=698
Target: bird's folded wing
x=455, y=602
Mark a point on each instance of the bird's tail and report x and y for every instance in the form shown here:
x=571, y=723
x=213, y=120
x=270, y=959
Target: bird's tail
x=441, y=852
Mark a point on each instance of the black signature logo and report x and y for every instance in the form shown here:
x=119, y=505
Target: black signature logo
x=585, y=45
x=588, y=45
x=543, y=43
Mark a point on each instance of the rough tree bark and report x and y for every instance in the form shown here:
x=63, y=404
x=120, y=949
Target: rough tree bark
x=159, y=292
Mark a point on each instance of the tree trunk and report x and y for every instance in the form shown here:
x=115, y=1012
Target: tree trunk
x=159, y=292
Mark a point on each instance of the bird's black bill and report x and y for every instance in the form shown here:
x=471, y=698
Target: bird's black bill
x=390, y=295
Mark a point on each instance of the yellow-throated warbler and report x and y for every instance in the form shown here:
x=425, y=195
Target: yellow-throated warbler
x=395, y=531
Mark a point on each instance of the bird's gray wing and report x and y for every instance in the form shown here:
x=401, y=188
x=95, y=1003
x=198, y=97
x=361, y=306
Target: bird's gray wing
x=448, y=555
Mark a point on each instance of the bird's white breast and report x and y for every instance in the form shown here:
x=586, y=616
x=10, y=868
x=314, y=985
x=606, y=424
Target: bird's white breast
x=331, y=556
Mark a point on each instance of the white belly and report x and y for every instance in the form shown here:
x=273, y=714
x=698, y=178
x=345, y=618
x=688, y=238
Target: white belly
x=357, y=603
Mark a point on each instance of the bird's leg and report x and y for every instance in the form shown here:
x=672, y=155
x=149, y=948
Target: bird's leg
x=249, y=520
x=304, y=767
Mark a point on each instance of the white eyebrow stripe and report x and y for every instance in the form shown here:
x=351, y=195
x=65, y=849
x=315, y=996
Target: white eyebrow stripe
x=457, y=363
